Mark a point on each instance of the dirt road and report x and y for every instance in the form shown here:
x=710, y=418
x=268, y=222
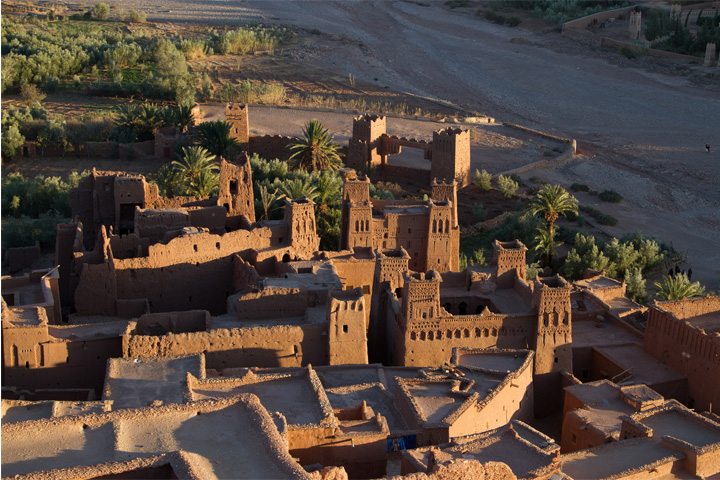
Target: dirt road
x=643, y=129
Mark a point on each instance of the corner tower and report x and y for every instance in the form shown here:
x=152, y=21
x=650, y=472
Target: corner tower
x=451, y=155
x=237, y=116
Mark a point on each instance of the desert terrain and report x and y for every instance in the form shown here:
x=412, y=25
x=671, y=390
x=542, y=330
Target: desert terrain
x=641, y=124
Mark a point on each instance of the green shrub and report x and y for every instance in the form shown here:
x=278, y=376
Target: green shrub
x=507, y=186
x=635, y=285
x=479, y=212
x=12, y=140
x=101, y=11
x=602, y=218
x=482, y=180
x=579, y=187
x=610, y=196
x=24, y=231
x=514, y=21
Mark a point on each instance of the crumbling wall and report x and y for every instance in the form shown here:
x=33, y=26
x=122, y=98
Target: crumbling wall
x=347, y=337
x=270, y=303
x=268, y=346
x=19, y=258
x=68, y=240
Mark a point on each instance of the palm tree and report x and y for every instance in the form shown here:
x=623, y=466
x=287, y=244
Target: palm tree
x=215, y=137
x=149, y=118
x=168, y=180
x=546, y=244
x=183, y=117
x=266, y=202
x=329, y=190
x=193, y=161
x=204, y=185
x=298, y=188
x=315, y=151
x=678, y=287
x=551, y=201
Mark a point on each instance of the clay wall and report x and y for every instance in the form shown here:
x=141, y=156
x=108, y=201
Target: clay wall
x=128, y=246
x=212, y=218
x=173, y=322
x=166, y=139
x=511, y=400
x=157, y=202
x=97, y=290
x=68, y=240
x=269, y=304
x=431, y=342
x=357, y=273
x=19, y=258
x=686, y=348
x=598, y=18
x=235, y=191
x=107, y=150
x=269, y=346
x=347, y=330
x=238, y=117
x=244, y=275
x=136, y=151
x=154, y=224
x=31, y=360
x=38, y=288
x=271, y=147
x=132, y=308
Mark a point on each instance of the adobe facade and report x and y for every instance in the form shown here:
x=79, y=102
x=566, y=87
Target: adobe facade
x=427, y=230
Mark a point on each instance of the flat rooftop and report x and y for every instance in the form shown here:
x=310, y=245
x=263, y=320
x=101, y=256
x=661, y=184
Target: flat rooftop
x=292, y=395
x=597, y=282
x=230, y=439
x=646, y=369
x=616, y=457
x=587, y=334
x=672, y=423
x=710, y=322
x=506, y=301
x=134, y=382
x=434, y=399
x=501, y=361
x=375, y=396
x=90, y=331
x=21, y=411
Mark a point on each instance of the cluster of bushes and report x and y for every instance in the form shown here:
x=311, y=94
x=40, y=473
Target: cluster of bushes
x=561, y=11
x=32, y=208
x=500, y=19
x=271, y=93
x=610, y=196
x=55, y=54
x=507, y=184
x=625, y=259
x=602, y=218
x=671, y=35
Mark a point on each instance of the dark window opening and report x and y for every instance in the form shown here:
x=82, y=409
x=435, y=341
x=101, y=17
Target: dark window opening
x=233, y=187
x=345, y=328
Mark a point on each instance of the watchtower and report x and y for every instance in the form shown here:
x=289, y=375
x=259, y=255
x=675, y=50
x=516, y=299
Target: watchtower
x=237, y=116
x=365, y=146
x=347, y=338
x=300, y=218
x=553, y=346
x=635, y=28
x=451, y=155
x=356, y=224
x=421, y=296
x=445, y=191
x=509, y=258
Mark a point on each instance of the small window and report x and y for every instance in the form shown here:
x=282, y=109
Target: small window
x=195, y=247
x=348, y=287
x=574, y=438
x=345, y=328
x=217, y=245
x=409, y=230
x=366, y=289
x=233, y=187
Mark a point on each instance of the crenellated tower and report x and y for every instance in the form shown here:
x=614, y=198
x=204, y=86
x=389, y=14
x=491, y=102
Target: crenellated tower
x=356, y=224
x=451, y=155
x=237, y=116
x=421, y=296
x=347, y=338
x=300, y=218
x=509, y=258
x=365, y=146
x=553, y=347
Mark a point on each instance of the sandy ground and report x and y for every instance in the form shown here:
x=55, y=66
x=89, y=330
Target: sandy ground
x=642, y=125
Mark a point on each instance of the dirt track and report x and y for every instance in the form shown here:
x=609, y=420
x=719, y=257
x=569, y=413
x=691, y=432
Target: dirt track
x=643, y=126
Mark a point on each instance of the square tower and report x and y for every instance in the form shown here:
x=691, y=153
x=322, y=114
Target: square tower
x=237, y=116
x=235, y=188
x=509, y=258
x=365, y=146
x=451, y=155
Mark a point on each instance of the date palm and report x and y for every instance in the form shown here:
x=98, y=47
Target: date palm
x=545, y=244
x=192, y=162
x=299, y=188
x=215, y=137
x=266, y=202
x=550, y=202
x=315, y=151
x=678, y=287
x=204, y=185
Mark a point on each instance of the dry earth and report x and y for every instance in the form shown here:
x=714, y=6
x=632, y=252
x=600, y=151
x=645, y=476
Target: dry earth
x=642, y=125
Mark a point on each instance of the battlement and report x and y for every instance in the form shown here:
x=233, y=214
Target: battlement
x=392, y=253
x=236, y=107
x=423, y=277
x=552, y=283
x=451, y=132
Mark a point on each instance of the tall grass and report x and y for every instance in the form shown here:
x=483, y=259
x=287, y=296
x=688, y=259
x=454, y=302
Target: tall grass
x=194, y=48
x=270, y=93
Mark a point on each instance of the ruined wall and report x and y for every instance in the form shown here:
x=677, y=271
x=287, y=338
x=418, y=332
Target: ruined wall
x=671, y=338
x=173, y=322
x=68, y=240
x=154, y=224
x=235, y=188
x=357, y=273
x=270, y=346
x=19, y=258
